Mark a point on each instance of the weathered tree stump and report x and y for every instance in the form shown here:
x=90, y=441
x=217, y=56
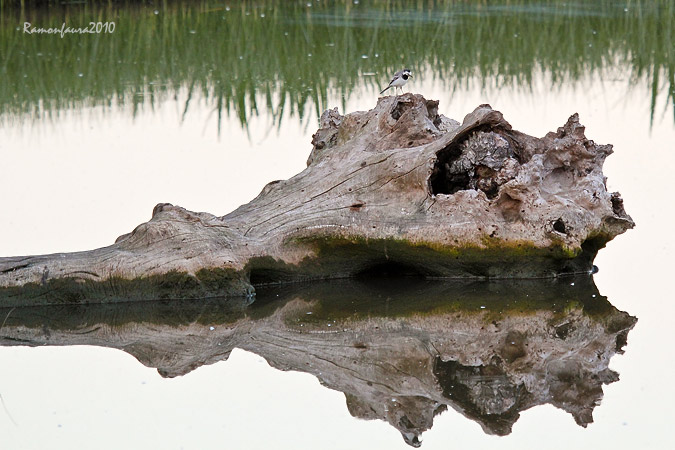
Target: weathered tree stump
x=397, y=189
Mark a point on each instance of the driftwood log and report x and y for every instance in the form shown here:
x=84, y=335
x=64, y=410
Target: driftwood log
x=402, y=353
x=397, y=189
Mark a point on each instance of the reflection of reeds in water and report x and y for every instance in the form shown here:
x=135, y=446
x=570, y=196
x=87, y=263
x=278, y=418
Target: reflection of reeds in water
x=284, y=58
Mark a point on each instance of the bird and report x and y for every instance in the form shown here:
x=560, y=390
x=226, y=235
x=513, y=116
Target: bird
x=400, y=79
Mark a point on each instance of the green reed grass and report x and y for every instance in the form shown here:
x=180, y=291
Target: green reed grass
x=286, y=59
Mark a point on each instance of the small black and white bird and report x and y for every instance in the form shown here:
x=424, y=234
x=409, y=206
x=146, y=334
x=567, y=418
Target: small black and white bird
x=400, y=79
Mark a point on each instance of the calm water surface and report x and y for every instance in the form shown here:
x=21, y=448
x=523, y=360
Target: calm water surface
x=202, y=104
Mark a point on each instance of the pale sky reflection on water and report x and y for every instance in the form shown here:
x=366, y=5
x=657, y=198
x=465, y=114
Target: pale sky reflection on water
x=82, y=180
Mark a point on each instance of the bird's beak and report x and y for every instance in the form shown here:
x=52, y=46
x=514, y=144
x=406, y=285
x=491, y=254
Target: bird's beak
x=410, y=75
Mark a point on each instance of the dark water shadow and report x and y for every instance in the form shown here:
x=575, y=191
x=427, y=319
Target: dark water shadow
x=401, y=350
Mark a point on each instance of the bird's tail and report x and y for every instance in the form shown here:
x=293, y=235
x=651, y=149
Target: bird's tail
x=382, y=91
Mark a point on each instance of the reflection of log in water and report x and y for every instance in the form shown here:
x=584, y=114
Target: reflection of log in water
x=400, y=351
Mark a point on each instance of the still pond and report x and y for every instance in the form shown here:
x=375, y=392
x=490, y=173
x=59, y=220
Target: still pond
x=202, y=103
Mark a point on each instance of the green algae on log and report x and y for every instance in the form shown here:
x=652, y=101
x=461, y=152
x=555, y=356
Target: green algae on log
x=396, y=189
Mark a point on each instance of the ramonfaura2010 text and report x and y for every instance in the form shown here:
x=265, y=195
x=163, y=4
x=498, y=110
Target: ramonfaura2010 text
x=92, y=28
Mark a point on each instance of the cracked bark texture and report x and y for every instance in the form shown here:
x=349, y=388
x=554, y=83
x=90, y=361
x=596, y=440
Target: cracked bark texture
x=398, y=188
x=401, y=352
